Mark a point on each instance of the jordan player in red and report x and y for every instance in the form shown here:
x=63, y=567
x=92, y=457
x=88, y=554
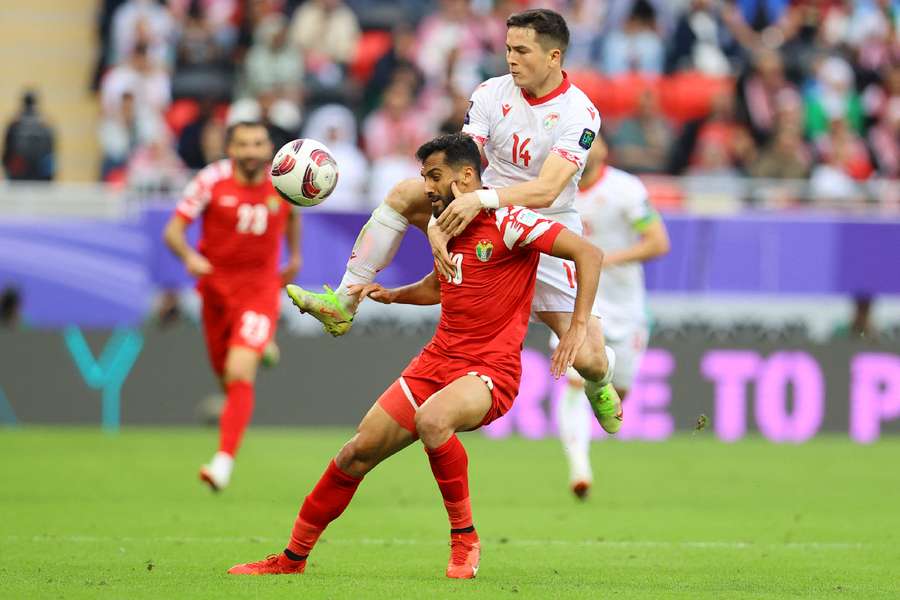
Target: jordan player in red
x=468, y=374
x=237, y=268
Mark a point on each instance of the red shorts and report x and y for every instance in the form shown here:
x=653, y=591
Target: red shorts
x=243, y=318
x=428, y=374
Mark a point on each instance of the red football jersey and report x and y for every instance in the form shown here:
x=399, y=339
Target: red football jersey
x=486, y=306
x=243, y=225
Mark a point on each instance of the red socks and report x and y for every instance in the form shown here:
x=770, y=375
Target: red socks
x=323, y=505
x=450, y=466
x=236, y=415
x=327, y=501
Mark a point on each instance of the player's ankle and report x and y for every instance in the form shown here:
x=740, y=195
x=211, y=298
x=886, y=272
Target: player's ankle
x=462, y=530
x=291, y=555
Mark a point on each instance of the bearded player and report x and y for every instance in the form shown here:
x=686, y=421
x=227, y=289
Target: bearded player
x=468, y=374
x=534, y=129
x=236, y=264
x=615, y=208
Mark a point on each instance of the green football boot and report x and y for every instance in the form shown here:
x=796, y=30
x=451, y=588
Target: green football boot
x=606, y=405
x=326, y=307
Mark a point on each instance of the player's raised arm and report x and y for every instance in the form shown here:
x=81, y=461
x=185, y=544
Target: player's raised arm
x=538, y=193
x=588, y=260
x=424, y=292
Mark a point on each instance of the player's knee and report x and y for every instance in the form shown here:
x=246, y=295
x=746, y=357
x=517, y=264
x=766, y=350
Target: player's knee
x=433, y=426
x=403, y=197
x=240, y=366
x=359, y=455
x=238, y=372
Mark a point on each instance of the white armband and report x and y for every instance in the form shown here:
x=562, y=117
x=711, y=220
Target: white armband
x=488, y=198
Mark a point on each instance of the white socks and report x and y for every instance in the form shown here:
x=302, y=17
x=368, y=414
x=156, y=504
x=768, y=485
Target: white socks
x=374, y=249
x=611, y=366
x=573, y=414
x=220, y=468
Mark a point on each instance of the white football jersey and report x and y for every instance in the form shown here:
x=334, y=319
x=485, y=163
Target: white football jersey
x=615, y=209
x=518, y=132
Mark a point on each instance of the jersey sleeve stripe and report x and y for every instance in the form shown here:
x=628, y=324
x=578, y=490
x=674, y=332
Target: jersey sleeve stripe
x=572, y=158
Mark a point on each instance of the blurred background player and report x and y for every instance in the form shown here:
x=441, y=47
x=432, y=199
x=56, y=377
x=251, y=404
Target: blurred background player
x=534, y=129
x=617, y=213
x=237, y=268
x=468, y=375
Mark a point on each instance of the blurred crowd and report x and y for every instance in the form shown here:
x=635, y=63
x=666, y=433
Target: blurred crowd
x=781, y=89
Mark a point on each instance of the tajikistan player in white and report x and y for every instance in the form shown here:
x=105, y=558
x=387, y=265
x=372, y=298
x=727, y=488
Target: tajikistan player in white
x=535, y=130
x=616, y=212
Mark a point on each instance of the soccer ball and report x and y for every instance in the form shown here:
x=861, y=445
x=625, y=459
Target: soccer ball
x=304, y=172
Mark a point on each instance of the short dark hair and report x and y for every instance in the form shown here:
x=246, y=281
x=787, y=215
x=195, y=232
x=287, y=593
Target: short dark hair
x=548, y=25
x=229, y=133
x=459, y=149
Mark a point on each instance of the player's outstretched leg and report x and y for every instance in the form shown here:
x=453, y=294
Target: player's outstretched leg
x=374, y=250
x=461, y=405
x=378, y=437
x=240, y=374
x=573, y=417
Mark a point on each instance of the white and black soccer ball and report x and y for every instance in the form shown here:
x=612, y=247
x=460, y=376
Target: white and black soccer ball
x=304, y=172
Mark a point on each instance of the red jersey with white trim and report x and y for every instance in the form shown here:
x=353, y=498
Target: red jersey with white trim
x=243, y=225
x=518, y=133
x=486, y=306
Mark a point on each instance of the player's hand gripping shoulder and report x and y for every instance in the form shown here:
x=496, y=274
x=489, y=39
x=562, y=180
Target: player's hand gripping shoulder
x=588, y=261
x=556, y=172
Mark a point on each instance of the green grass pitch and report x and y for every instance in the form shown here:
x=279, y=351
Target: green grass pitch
x=87, y=515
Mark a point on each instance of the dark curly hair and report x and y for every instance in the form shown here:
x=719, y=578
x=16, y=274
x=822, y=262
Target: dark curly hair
x=459, y=149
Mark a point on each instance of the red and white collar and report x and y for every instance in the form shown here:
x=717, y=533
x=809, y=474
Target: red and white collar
x=560, y=89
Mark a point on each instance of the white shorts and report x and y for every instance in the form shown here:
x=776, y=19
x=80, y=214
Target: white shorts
x=629, y=349
x=554, y=290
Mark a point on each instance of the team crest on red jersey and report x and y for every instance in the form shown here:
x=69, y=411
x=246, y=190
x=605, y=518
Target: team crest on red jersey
x=484, y=249
x=274, y=203
x=506, y=108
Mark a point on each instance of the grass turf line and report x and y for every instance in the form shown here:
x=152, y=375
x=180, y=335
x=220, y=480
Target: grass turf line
x=89, y=515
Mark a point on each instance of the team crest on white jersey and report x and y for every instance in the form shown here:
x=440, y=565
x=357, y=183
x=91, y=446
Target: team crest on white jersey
x=506, y=108
x=551, y=120
x=483, y=250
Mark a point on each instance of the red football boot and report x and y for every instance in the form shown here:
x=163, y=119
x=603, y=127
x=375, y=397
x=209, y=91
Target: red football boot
x=582, y=489
x=274, y=564
x=465, y=552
